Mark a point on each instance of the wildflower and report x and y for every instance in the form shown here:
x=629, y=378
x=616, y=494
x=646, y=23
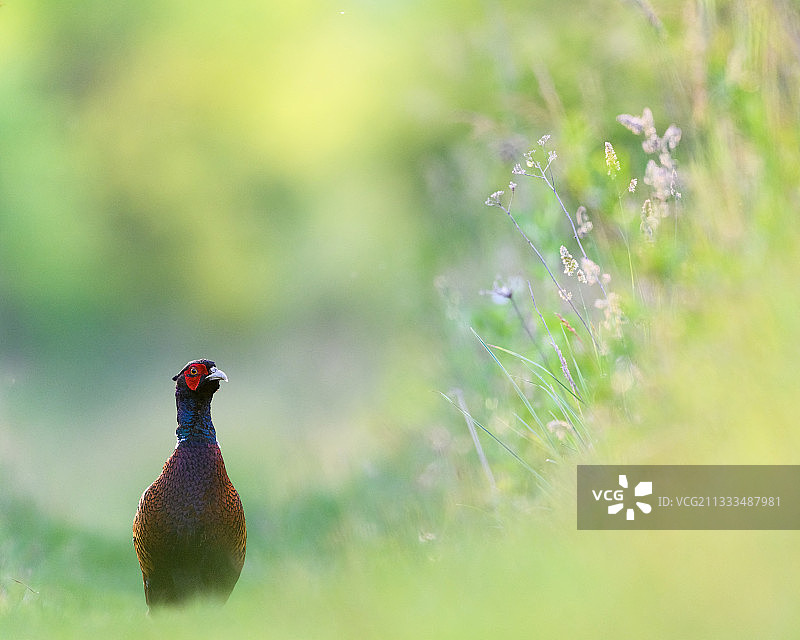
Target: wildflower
x=512, y=185
x=650, y=220
x=559, y=428
x=543, y=140
x=632, y=185
x=611, y=160
x=528, y=155
x=650, y=145
x=649, y=124
x=672, y=190
x=632, y=123
x=570, y=264
x=501, y=295
x=666, y=160
x=591, y=271
x=552, y=155
x=565, y=295
x=672, y=136
x=518, y=170
x=571, y=267
x=660, y=179
x=494, y=199
x=502, y=292
x=584, y=224
x=645, y=125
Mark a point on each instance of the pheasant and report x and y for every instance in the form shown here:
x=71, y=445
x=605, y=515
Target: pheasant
x=189, y=531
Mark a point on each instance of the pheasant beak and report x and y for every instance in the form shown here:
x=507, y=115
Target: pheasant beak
x=216, y=374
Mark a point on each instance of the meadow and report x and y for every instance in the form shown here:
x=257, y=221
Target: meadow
x=445, y=253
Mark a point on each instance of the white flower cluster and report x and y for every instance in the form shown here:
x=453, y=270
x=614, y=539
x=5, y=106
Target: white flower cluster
x=661, y=175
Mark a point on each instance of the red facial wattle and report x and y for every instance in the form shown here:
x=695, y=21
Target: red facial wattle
x=194, y=374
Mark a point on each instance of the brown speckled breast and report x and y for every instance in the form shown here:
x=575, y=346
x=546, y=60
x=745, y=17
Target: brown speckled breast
x=189, y=531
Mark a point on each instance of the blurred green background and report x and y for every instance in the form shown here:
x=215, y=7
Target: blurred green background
x=296, y=191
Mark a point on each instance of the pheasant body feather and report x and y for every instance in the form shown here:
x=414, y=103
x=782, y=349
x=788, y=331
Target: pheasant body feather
x=189, y=531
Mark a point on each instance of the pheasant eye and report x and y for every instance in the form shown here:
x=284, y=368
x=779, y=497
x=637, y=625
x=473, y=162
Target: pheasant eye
x=193, y=374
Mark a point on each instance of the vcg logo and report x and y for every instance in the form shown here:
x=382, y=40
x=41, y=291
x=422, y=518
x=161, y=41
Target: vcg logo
x=617, y=497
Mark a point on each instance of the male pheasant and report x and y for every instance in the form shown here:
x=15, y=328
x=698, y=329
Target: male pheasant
x=189, y=530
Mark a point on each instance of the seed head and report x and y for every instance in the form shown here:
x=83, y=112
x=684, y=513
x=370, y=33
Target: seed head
x=591, y=271
x=570, y=263
x=612, y=163
x=632, y=123
x=571, y=267
x=584, y=224
x=565, y=368
x=494, y=199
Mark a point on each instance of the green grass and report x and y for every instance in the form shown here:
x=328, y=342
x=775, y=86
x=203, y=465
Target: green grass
x=530, y=577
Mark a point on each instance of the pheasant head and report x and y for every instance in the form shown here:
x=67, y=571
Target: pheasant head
x=195, y=385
